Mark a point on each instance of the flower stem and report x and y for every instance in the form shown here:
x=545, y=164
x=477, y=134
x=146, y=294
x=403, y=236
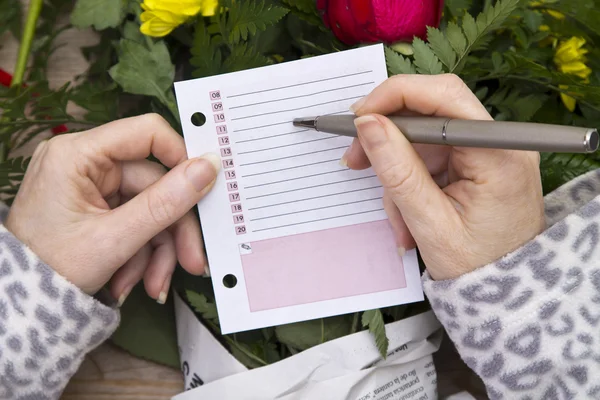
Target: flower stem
x=35, y=7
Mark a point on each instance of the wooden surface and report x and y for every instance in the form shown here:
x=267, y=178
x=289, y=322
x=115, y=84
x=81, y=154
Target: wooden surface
x=108, y=373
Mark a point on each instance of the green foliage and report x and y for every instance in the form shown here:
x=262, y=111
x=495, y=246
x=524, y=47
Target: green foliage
x=147, y=329
x=10, y=17
x=228, y=43
x=373, y=319
x=306, y=334
x=100, y=14
x=145, y=70
x=247, y=17
x=397, y=64
x=557, y=169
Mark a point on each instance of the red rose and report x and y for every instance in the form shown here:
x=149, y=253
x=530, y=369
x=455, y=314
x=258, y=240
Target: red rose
x=356, y=21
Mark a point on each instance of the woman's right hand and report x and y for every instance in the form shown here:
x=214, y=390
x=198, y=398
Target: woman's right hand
x=463, y=207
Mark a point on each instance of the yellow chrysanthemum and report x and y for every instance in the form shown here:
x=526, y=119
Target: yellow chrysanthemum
x=570, y=59
x=160, y=17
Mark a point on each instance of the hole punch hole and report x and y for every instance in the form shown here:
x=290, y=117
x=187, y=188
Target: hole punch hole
x=229, y=281
x=198, y=119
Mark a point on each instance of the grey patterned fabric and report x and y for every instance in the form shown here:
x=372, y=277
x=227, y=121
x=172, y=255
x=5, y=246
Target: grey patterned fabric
x=47, y=325
x=528, y=324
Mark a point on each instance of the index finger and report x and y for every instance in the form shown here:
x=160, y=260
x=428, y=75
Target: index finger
x=442, y=95
x=136, y=138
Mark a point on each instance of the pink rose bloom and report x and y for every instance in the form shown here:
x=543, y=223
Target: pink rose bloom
x=360, y=21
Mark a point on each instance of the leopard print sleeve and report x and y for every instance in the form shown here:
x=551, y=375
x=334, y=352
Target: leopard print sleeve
x=528, y=323
x=47, y=324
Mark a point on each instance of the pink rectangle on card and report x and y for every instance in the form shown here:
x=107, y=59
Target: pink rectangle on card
x=322, y=265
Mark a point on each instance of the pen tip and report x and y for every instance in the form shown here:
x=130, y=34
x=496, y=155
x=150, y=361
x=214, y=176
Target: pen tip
x=305, y=122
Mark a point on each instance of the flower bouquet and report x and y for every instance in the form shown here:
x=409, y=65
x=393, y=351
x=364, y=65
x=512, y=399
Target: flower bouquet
x=525, y=60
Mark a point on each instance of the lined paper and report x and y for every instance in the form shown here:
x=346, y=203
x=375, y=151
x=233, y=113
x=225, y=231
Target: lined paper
x=291, y=225
x=290, y=177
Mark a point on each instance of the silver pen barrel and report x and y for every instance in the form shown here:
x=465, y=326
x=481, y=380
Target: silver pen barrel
x=473, y=133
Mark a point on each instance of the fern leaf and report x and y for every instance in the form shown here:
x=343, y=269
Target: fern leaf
x=397, y=64
x=476, y=31
x=425, y=59
x=373, y=319
x=441, y=46
x=202, y=306
x=243, y=57
x=456, y=38
x=247, y=17
x=206, y=55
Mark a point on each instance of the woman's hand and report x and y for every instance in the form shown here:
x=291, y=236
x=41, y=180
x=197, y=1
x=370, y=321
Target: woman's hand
x=463, y=207
x=93, y=208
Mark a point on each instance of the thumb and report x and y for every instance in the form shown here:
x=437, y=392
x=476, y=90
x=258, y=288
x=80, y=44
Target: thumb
x=403, y=174
x=162, y=203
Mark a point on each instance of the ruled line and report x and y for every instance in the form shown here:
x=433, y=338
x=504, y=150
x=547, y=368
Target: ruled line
x=287, y=145
x=272, y=136
x=294, y=179
x=317, y=208
x=285, y=169
x=316, y=220
x=298, y=108
x=299, y=84
x=292, y=156
x=302, y=95
x=310, y=187
x=281, y=123
x=314, y=197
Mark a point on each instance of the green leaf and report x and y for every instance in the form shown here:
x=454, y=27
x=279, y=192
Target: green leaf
x=306, y=334
x=441, y=47
x=10, y=17
x=533, y=20
x=457, y=8
x=246, y=17
x=559, y=168
x=201, y=305
x=585, y=12
x=144, y=70
x=456, y=37
x=373, y=319
x=206, y=53
x=425, y=60
x=100, y=14
x=397, y=63
x=477, y=31
x=243, y=57
x=147, y=329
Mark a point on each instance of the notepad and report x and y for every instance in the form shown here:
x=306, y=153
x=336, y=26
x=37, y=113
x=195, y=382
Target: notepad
x=291, y=234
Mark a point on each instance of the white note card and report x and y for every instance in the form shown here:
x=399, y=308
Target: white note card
x=290, y=234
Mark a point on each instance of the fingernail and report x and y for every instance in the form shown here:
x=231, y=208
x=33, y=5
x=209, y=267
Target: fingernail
x=162, y=297
x=206, y=273
x=123, y=296
x=356, y=106
x=214, y=159
x=197, y=172
x=344, y=159
x=370, y=130
x=401, y=251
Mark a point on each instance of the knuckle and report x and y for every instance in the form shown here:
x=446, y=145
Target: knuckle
x=453, y=83
x=161, y=207
x=154, y=120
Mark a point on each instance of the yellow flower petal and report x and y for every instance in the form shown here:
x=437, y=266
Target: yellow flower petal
x=568, y=101
x=156, y=28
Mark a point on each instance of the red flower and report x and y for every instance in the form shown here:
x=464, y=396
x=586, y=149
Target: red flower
x=356, y=21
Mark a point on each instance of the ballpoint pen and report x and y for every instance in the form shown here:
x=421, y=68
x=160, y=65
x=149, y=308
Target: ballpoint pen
x=472, y=133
